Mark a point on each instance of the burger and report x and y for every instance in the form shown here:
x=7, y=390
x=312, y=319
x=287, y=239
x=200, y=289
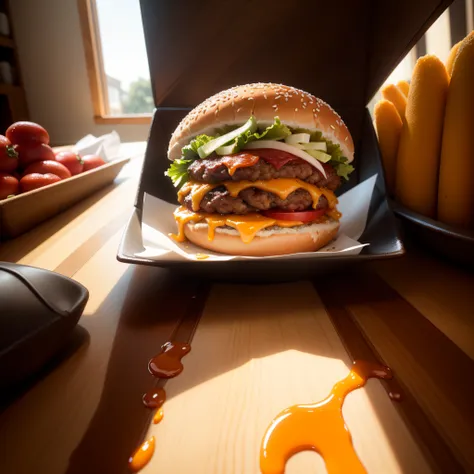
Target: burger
x=256, y=167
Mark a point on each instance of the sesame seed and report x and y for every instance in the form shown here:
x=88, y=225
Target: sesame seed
x=265, y=96
x=333, y=127
x=314, y=110
x=286, y=99
x=345, y=139
x=302, y=99
x=296, y=110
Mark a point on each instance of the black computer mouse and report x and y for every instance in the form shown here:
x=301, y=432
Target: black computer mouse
x=39, y=310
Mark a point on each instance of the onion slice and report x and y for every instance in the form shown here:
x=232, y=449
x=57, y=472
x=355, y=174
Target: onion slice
x=296, y=138
x=289, y=149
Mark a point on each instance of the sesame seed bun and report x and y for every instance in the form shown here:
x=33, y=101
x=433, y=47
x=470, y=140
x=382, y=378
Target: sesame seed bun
x=274, y=241
x=234, y=106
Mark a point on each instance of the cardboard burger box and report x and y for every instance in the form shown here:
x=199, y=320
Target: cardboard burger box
x=340, y=51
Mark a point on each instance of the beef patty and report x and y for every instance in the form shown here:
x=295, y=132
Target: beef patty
x=220, y=201
x=211, y=170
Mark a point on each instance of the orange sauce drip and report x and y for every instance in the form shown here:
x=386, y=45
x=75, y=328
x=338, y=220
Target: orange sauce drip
x=334, y=214
x=318, y=427
x=241, y=160
x=182, y=217
x=167, y=364
x=141, y=457
x=201, y=256
x=158, y=416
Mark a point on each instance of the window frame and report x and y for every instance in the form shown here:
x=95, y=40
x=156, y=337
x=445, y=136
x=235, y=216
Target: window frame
x=95, y=69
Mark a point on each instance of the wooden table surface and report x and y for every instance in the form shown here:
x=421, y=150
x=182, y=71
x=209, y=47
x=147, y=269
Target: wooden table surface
x=257, y=349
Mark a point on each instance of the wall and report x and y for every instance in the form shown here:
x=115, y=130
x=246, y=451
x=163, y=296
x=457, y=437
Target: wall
x=49, y=41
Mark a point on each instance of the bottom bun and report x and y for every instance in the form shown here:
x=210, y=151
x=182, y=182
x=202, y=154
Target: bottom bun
x=274, y=241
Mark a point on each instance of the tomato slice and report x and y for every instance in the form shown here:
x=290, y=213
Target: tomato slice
x=276, y=158
x=303, y=216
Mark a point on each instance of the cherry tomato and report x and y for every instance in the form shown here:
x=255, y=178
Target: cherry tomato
x=27, y=133
x=8, y=156
x=30, y=153
x=92, y=161
x=72, y=161
x=302, y=216
x=8, y=185
x=37, y=180
x=48, y=166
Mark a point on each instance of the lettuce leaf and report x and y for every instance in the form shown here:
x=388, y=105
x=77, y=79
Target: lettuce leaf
x=190, y=151
x=178, y=171
x=338, y=162
x=343, y=170
x=275, y=131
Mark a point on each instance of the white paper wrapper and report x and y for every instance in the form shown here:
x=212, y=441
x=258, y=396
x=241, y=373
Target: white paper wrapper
x=158, y=222
x=106, y=146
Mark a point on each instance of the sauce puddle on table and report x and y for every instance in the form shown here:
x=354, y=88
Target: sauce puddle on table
x=319, y=427
x=167, y=364
x=154, y=398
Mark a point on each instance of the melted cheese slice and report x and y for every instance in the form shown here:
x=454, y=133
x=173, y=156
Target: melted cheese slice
x=282, y=187
x=197, y=191
x=247, y=225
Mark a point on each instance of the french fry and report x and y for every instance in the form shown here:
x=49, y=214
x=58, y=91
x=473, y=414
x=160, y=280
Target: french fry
x=420, y=139
x=388, y=126
x=392, y=93
x=456, y=187
x=452, y=57
x=404, y=86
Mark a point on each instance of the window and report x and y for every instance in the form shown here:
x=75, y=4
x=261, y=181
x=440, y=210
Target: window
x=117, y=62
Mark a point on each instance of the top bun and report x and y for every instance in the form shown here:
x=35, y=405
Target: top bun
x=234, y=106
